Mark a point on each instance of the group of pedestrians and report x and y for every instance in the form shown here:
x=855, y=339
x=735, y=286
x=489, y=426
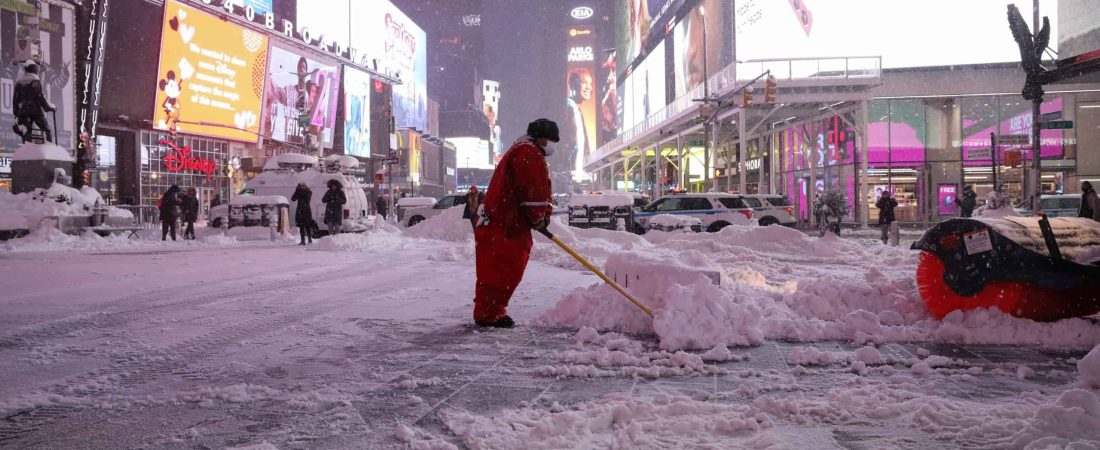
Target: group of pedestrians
x=334, y=200
x=176, y=207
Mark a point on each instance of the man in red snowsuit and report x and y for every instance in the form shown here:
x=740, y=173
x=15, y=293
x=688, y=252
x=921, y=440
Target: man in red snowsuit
x=518, y=200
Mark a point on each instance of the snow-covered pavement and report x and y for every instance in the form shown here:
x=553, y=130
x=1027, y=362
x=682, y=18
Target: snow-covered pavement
x=364, y=341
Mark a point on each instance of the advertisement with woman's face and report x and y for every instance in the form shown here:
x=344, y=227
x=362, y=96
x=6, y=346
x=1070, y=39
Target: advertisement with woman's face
x=689, y=36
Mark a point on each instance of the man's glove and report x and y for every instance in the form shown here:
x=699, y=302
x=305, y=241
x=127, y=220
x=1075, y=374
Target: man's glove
x=541, y=223
x=482, y=218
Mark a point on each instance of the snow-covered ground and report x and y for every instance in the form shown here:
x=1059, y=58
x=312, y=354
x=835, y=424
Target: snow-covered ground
x=762, y=338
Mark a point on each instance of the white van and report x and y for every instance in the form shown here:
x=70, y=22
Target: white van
x=281, y=176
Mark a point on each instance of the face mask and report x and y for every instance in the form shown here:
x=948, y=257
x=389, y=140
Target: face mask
x=549, y=148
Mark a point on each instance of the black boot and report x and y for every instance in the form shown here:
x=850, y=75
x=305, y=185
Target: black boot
x=504, y=322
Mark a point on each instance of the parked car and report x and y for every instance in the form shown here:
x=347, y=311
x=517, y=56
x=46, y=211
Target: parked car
x=640, y=199
x=714, y=210
x=404, y=204
x=417, y=214
x=1060, y=205
x=772, y=209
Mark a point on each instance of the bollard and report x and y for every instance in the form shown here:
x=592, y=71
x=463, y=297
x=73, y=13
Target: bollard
x=225, y=227
x=274, y=231
x=895, y=234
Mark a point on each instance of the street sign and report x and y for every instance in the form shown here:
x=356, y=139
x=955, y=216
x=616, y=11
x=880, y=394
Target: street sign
x=1014, y=139
x=1056, y=125
x=979, y=154
x=390, y=161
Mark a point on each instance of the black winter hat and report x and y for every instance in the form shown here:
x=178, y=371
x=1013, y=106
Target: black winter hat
x=543, y=128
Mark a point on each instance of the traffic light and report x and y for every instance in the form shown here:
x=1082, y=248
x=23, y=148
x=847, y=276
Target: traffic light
x=770, y=86
x=746, y=97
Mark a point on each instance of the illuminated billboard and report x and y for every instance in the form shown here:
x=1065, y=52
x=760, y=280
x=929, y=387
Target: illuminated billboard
x=965, y=32
x=357, y=92
x=688, y=35
x=386, y=40
x=211, y=75
x=638, y=24
x=578, y=130
x=298, y=86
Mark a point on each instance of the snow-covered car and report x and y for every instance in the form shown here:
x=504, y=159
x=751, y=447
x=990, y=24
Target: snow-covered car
x=1061, y=205
x=419, y=214
x=771, y=209
x=714, y=210
x=674, y=223
x=404, y=204
x=640, y=199
x=601, y=210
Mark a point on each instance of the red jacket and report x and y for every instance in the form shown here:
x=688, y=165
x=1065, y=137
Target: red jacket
x=519, y=193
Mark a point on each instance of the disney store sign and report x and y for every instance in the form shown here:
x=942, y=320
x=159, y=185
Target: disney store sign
x=180, y=159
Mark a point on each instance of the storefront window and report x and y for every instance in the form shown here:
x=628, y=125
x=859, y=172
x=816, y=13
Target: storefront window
x=105, y=174
x=187, y=162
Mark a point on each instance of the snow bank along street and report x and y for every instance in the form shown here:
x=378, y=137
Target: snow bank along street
x=762, y=337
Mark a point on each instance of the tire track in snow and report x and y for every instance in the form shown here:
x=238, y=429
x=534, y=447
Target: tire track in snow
x=141, y=367
x=114, y=314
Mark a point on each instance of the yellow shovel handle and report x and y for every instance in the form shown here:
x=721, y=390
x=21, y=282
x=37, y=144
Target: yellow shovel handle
x=598, y=272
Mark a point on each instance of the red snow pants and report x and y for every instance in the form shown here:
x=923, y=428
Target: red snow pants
x=501, y=260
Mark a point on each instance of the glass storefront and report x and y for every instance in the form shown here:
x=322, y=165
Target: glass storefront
x=188, y=161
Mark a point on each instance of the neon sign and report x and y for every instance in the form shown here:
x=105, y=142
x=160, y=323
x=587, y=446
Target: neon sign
x=180, y=159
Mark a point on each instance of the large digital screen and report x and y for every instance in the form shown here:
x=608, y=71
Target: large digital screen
x=965, y=32
x=387, y=39
x=357, y=93
x=1079, y=29
x=638, y=23
x=211, y=75
x=688, y=35
x=578, y=130
x=297, y=86
x=645, y=88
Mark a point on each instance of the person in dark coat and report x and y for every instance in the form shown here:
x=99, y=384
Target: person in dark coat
x=473, y=200
x=382, y=206
x=967, y=201
x=30, y=105
x=303, y=215
x=886, y=205
x=334, y=200
x=1090, y=202
x=169, y=206
x=189, y=206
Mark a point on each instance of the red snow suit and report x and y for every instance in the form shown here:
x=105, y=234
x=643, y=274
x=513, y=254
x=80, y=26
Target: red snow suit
x=518, y=197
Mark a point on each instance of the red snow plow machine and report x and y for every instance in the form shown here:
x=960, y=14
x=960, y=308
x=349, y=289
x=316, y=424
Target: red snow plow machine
x=1030, y=267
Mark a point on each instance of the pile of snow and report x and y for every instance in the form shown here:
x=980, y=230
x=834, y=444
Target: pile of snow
x=1089, y=368
x=598, y=200
x=26, y=211
x=289, y=160
x=776, y=283
x=245, y=200
x=446, y=226
x=673, y=222
x=31, y=151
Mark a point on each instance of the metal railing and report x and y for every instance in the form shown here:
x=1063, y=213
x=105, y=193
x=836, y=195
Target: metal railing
x=144, y=216
x=725, y=80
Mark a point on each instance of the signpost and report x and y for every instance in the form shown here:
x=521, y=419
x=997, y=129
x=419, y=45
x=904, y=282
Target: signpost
x=977, y=154
x=1056, y=125
x=1014, y=139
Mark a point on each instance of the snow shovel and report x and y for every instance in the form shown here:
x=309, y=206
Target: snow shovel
x=612, y=283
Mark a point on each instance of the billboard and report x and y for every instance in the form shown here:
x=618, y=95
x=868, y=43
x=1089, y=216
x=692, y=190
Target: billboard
x=645, y=88
x=55, y=70
x=1079, y=30
x=490, y=106
x=688, y=35
x=298, y=86
x=609, y=99
x=970, y=32
x=357, y=92
x=578, y=130
x=211, y=75
x=638, y=24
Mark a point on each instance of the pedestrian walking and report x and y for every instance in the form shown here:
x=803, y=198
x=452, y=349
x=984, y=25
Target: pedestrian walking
x=1090, y=202
x=473, y=200
x=303, y=215
x=334, y=200
x=518, y=201
x=382, y=206
x=967, y=201
x=189, y=206
x=886, y=205
x=169, y=206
